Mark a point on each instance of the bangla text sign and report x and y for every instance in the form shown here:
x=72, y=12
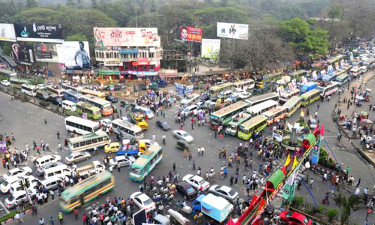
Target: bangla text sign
x=233, y=30
x=38, y=32
x=191, y=34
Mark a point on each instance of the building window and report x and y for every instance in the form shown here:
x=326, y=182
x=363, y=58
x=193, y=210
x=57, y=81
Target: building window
x=151, y=54
x=144, y=68
x=135, y=67
x=152, y=67
x=107, y=55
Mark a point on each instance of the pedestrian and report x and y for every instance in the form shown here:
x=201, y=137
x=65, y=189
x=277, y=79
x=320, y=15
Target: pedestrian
x=190, y=155
x=326, y=198
x=231, y=180
x=185, y=153
x=76, y=213
x=358, y=183
x=311, y=183
x=84, y=219
x=174, y=167
x=13, y=138
x=52, y=220
x=41, y=221
x=60, y=217
x=45, y=122
x=244, y=179
x=164, y=139
x=202, y=151
x=58, y=135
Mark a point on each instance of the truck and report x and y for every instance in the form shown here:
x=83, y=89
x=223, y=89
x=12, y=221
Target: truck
x=90, y=169
x=308, y=87
x=217, y=208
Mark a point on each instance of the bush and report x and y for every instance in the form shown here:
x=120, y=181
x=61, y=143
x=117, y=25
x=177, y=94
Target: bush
x=321, y=208
x=8, y=216
x=332, y=213
x=43, y=103
x=297, y=202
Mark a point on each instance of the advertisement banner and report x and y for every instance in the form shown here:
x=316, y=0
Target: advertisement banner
x=7, y=32
x=23, y=53
x=210, y=48
x=191, y=34
x=117, y=36
x=233, y=30
x=47, y=52
x=77, y=55
x=39, y=32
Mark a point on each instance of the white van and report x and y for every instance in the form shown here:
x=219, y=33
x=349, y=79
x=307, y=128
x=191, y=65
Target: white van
x=190, y=110
x=58, y=171
x=46, y=159
x=5, y=186
x=51, y=183
x=144, y=111
x=68, y=105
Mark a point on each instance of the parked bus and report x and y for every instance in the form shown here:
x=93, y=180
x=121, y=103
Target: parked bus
x=215, y=90
x=262, y=98
x=286, y=95
x=126, y=129
x=252, y=126
x=292, y=105
x=310, y=97
x=55, y=90
x=244, y=85
x=72, y=96
x=88, y=142
x=261, y=107
x=29, y=89
x=7, y=73
x=69, y=87
x=81, y=126
x=104, y=105
x=143, y=166
x=342, y=79
x=86, y=191
x=92, y=112
x=224, y=116
x=329, y=89
x=93, y=93
x=234, y=125
x=17, y=82
x=299, y=73
x=275, y=115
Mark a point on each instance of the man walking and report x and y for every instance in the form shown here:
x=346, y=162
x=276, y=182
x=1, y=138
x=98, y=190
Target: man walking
x=60, y=217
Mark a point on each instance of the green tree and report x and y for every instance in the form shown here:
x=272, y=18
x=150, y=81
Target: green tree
x=347, y=205
x=31, y=3
x=75, y=37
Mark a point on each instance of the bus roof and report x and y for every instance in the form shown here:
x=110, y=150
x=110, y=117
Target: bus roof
x=80, y=120
x=310, y=93
x=81, y=138
x=254, y=121
x=243, y=116
x=81, y=187
x=259, y=107
x=261, y=98
x=132, y=126
x=273, y=111
x=230, y=108
x=150, y=153
x=95, y=93
x=221, y=86
x=74, y=93
x=342, y=76
x=87, y=105
x=96, y=99
x=292, y=102
x=243, y=81
x=290, y=92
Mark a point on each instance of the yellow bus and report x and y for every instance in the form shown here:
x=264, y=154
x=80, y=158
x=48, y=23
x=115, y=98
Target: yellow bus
x=86, y=191
x=224, y=116
x=250, y=127
x=275, y=115
x=94, y=93
x=310, y=97
x=244, y=85
x=215, y=90
x=292, y=105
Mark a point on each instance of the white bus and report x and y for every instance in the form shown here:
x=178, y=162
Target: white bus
x=55, y=90
x=68, y=87
x=262, y=98
x=126, y=129
x=286, y=95
x=80, y=125
x=292, y=105
x=29, y=89
x=262, y=107
x=104, y=105
x=275, y=115
x=244, y=85
x=329, y=89
x=342, y=79
x=93, y=141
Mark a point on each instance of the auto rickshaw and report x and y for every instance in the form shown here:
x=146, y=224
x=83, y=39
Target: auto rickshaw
x=182, y=145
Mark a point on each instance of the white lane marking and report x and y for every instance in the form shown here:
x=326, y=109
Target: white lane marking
x=3, y=206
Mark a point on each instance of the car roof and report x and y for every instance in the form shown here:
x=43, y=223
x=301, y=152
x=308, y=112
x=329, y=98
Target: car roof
x=185, y=185
x=143, y=197
x=196, y=177
x=120, y=157
x=225, y=188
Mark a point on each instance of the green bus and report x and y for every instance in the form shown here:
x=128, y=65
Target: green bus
x=310, y=97
x=86, y=191
x=250, y=127
x=233, y=126
x=91, y=111
x=143, y=166
x=224, y=116
x=88, y=142
x=215, y=90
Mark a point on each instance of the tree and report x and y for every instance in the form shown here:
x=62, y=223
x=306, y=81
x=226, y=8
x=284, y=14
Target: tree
x=31, y=3
x=75, y=37
x=347, y=205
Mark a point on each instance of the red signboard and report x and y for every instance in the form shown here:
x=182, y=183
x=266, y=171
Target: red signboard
x=191, y=34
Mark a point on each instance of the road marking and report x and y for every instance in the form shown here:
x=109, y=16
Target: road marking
x=3, y=206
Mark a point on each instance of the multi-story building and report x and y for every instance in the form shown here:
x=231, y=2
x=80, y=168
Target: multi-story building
x=135, y=52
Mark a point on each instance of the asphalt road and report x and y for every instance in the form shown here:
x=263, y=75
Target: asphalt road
x=26, y=121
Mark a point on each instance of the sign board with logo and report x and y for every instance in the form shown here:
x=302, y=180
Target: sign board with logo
x=39, y=32
x=7, y=32
x=233, y=30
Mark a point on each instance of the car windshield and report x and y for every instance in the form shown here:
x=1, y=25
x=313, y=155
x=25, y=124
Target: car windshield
x=147, y=202
x=289, y=214
x=184, y=134
x=11, y=198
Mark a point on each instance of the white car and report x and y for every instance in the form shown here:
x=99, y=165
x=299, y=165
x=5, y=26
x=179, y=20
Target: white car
x=180, y=134
x=76, y=157
x=19, y=197
x=121, y=161
x=196, y=181
x=244, y=95
x=41, y=86
x=5, y=186
x=5, y=83
x=143, y=201
x=106, y=123
x=33, y=184
x=224, y=191
x=47, y=159
x=18, y=172
x=313, y=124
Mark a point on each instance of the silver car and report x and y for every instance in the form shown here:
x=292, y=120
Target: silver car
x=224, y=191
x=76, y=157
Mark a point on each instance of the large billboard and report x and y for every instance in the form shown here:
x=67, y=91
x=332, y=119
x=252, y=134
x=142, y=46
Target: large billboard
x=23, y=53
x=39, y=32
x=210, y=48
x=77, y=55
x=117, y=36
x=233, y=30
x=47, y=52
x=191, y=34
x=7, y=32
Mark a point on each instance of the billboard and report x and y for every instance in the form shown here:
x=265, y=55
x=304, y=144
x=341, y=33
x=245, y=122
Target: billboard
x=23, y=53
x=191, y=34
x=233, y=30
x=76, y=55
x=117, y=36
x=38, y=32
x=210, y=48
x=47, y=52
x=7, y=32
